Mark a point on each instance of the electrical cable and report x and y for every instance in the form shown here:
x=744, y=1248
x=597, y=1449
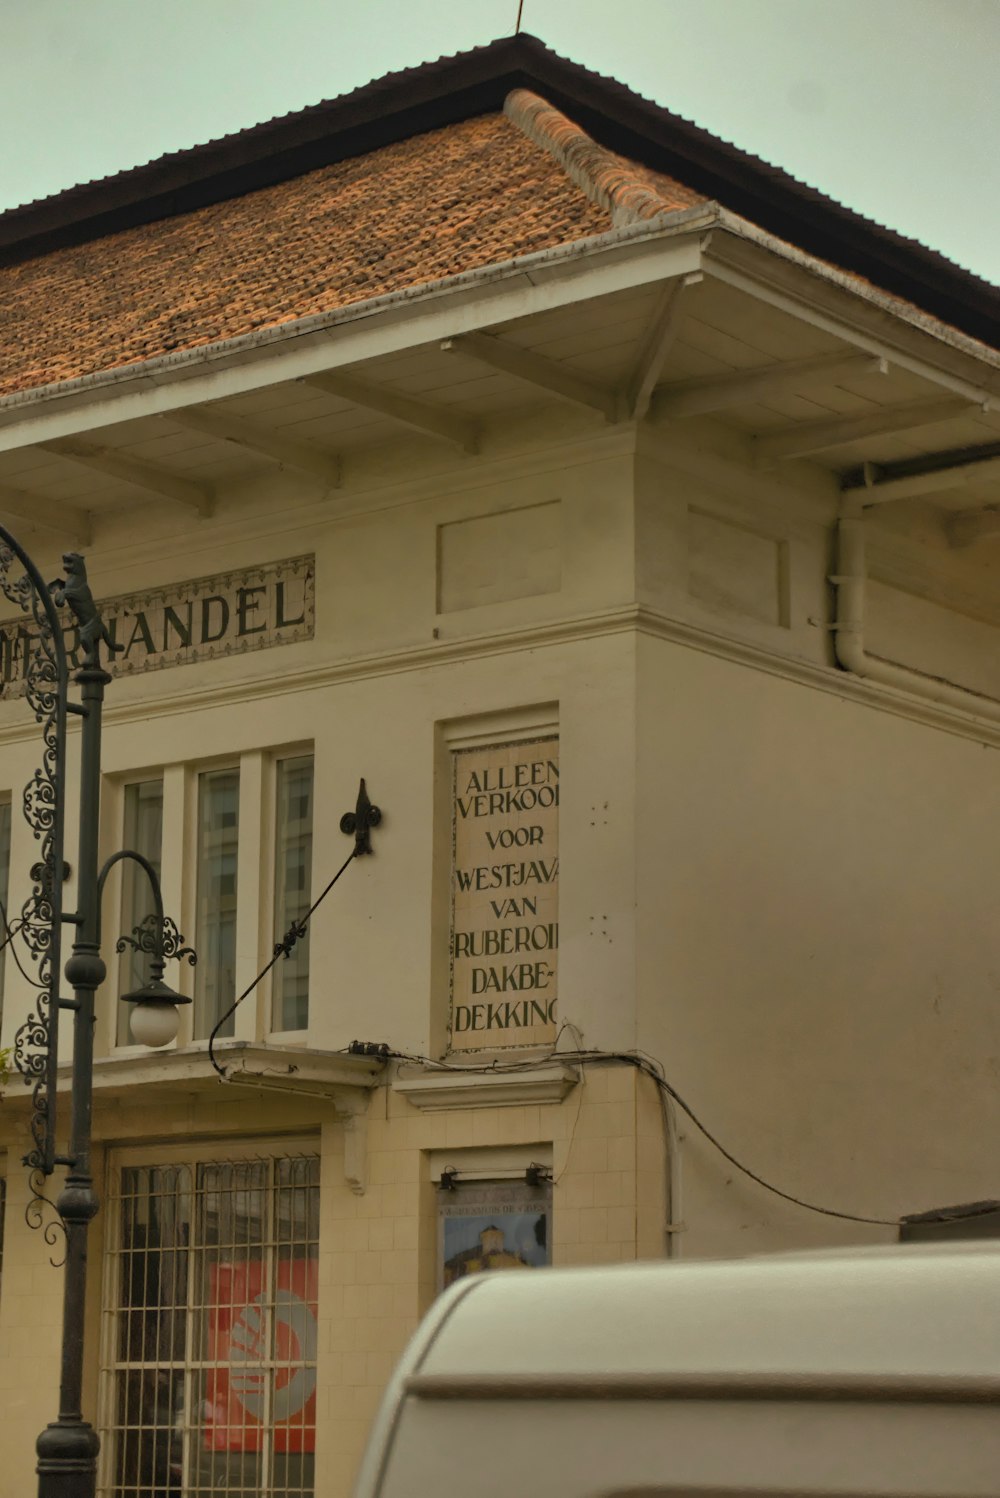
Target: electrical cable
x=651, y=1069
x=282, y=949
x=8, y=941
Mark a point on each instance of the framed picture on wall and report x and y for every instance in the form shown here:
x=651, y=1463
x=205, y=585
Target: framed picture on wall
x=489, y=1225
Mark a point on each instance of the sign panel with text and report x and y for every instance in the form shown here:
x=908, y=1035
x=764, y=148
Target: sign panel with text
x=232, y=613
x=505, y=895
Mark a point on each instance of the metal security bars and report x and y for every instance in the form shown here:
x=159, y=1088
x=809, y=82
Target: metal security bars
x=209, y=1368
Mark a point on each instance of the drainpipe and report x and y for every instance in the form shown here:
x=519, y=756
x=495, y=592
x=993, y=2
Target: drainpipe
x=849, y=627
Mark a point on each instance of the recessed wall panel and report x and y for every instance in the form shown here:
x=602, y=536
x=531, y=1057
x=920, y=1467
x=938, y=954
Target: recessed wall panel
x=498, y=558
x=734, y=569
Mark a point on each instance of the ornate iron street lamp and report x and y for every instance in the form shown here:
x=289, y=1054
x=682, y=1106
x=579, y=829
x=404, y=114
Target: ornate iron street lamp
x=68, y=1447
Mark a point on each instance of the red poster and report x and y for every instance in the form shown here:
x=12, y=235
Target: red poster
x=237, y=1394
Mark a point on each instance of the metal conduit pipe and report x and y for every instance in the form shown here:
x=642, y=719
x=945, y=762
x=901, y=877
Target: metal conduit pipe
x=849, y=628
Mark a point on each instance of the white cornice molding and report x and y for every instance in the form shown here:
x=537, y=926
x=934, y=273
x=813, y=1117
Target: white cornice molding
x=825, y=678
x=566, y=631
x=434, y=1091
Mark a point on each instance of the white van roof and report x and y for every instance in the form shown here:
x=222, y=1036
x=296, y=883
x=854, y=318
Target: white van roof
x=926, y=1313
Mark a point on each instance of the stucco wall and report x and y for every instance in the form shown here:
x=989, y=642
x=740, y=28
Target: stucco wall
x=778, y=884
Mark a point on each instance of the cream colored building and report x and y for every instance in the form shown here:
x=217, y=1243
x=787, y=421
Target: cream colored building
x=429, y=440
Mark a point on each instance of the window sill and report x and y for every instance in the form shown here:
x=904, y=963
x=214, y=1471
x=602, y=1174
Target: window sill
x=343, y=1080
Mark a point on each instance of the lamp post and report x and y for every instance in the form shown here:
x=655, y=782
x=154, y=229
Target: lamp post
x=68, y=1447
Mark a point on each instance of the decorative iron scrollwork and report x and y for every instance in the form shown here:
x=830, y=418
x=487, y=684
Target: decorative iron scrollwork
x=157, y=937
x=34, y=1214
x=41, y=649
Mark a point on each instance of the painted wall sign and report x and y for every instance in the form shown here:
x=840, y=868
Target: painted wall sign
x=505, y=895
x=488, y=1225
x=262, y=1356
x=229, y=614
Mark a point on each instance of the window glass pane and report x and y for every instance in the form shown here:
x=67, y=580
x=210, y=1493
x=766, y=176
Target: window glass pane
x=4, y=889
x=143, y=832
x=215, y=939
x=292, y=890
x=213, y=1352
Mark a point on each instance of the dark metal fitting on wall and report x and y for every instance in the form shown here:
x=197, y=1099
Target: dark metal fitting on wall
x=537, y=1175
x=369, y=1048
x=359, y=822
x=447, y=1180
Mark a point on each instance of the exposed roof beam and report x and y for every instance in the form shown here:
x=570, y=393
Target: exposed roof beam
x=431, y=421
x=535, y=369
x=970, y=526
x=66, y=521
x=655, y=345
x=135, y=471
x=287, y=451
x=838, y=431
x=716, y=392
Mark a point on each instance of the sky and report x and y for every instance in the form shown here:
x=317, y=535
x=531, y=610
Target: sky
x=889, y=106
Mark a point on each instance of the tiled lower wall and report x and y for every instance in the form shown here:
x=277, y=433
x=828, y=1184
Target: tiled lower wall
x=378, y=1252
x=378, y=1249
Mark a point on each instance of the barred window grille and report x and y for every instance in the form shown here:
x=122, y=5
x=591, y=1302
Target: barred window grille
x=210, y=1330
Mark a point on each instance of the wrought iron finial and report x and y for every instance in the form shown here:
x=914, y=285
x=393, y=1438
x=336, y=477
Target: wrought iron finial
x=73, y=591
x=359, y=822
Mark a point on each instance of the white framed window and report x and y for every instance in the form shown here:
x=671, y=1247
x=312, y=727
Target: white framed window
x=216, y=875
x=232, y=843
x=209, y=1324
x=143, y=833
x=293, y=822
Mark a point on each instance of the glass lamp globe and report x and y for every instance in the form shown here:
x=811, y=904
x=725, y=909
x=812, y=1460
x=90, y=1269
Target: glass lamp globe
x=154, y=1019
x=154, y=1023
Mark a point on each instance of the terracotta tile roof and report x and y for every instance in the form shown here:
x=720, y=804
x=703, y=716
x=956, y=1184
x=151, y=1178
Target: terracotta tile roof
x=628, y=191
x=416, y=103
x=452, y=200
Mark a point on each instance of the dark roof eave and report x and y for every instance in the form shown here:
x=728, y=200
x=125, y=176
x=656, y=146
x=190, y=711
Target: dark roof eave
x=436, y=94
